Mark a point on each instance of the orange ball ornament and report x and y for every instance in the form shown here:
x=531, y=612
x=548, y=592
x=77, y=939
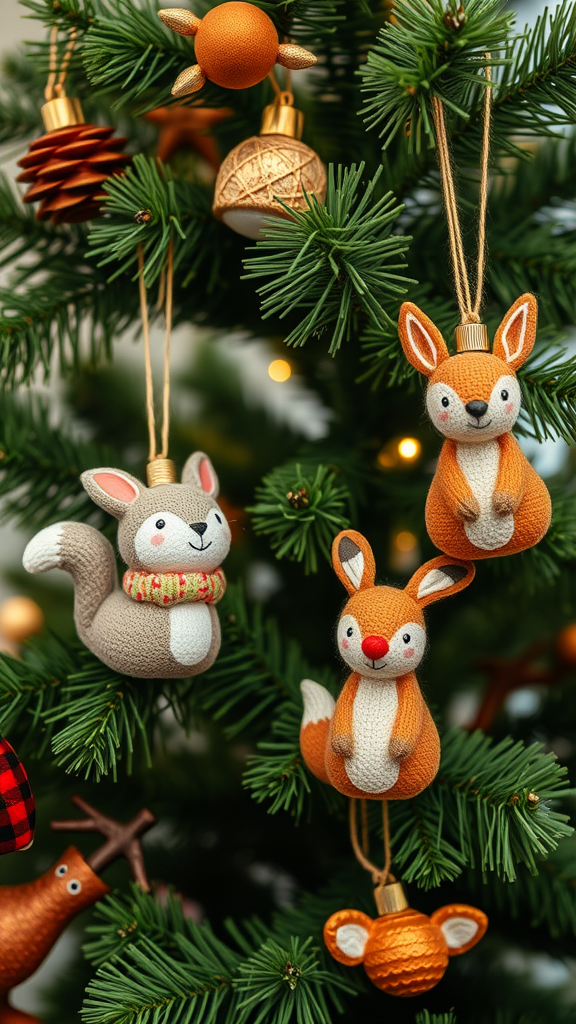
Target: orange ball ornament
x=20, y=617
x=236, y=47
x=404, y=952
x=566, y=644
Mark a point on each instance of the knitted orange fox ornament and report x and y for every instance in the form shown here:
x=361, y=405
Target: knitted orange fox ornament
x=485, y=498
x=378, y=740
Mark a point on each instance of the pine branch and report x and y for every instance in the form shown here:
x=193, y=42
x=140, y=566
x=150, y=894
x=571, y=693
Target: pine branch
x=91, y=717
x=482, y=801
x=536, y=89
x=40, y=466
x=65, y=14
x=424, y=1017
x=50, y=296
x=338, y=260
x=431, y=50
x=207, y=980
x=549, y=394
x=301, y=508
x=148, y=206
x=477, y=812
x=255, y=669
x=547, y=899
x=129, y=49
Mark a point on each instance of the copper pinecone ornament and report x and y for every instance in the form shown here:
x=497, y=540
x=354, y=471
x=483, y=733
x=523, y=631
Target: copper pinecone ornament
x=67, y=169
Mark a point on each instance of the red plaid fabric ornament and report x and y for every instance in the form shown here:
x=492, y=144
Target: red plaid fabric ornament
x=17, y=807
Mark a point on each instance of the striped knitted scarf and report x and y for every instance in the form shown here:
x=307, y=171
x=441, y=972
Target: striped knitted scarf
x=166, y=588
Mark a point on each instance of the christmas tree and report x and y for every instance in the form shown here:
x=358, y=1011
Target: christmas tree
x=251, y=854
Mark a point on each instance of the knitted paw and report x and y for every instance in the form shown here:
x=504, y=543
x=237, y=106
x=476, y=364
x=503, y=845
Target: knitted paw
x=44, y=550
x=468, y=509
x=343, y=745
x=504, y=503
x=400, y=748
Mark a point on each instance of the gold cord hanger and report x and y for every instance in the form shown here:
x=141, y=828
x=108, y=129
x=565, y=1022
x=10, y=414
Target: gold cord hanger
x=160, y=469
x=471, y=334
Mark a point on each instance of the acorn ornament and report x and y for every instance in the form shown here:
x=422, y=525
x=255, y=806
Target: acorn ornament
x=403, y=951
x=236, y=46
x=269, y=170
x=17, y=807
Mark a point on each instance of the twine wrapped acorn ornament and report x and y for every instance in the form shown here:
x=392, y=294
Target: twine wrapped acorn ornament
x=485, y=499
x=404, y=952
x=236, y=46
x=173, y=536
x=67, y=167
x=267, y=170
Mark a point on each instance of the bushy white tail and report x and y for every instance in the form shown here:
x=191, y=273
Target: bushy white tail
x=319, y=707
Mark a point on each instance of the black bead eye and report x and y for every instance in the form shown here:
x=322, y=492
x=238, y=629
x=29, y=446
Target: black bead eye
x=406, y=638
x=217, y=517
x=504, y=395
x=349, y=631
x=160, y=524
x=61, y=870
x=74, y=886
x=445, y=402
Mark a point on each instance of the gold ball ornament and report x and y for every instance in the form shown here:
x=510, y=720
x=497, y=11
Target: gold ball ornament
x=20, y=617
x=267, y=168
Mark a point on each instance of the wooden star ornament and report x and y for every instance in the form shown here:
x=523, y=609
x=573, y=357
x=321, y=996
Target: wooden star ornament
x=187, y=128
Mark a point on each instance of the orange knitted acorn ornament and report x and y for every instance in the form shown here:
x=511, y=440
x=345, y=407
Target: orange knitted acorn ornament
x=67, y=167
x=236, y=46
x=403, y=951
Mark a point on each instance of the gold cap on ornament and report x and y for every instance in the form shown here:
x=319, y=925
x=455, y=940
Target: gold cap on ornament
x=472, y=338
x=282, y=118
x=160, y=471
x=390, y=898
x=61, y=112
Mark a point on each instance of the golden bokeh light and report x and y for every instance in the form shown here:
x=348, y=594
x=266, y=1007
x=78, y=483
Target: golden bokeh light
x=409, y=448
x=405, y=541
x=279, y=370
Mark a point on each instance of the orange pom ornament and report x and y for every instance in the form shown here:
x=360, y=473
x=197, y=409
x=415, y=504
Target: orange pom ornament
x=403, y=951
x=266, y=168
x=236, y=47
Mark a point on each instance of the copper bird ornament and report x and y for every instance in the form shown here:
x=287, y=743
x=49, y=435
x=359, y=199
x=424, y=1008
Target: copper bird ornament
x=33, y=915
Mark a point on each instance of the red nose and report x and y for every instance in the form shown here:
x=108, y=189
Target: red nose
x=375, y=647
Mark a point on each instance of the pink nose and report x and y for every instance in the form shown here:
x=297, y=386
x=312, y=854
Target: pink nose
x=375, y=647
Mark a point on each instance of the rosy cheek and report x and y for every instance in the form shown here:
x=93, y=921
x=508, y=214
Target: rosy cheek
x=157, y=539
x=509, y=408
x=345, y=644
x=443, y=416
x=409, y=653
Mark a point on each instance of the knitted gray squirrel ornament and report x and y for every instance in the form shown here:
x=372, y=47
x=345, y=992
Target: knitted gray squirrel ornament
x=161, y=622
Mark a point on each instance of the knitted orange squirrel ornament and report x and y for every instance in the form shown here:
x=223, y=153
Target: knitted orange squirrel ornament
x=403, y=951
x=236, y=46
x=378, y=740
x=485, y=498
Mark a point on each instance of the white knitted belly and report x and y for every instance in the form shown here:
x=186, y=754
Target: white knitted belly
x=190, y=632
x=480, y=464
x=374, y=713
